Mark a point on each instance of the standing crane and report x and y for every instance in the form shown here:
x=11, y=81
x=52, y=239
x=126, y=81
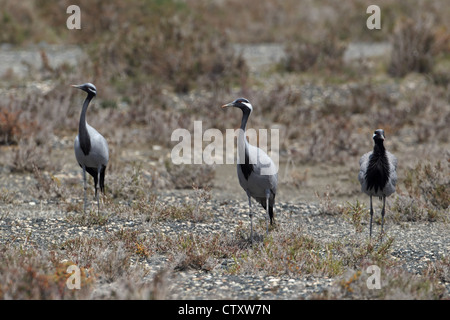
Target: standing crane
x=378, y=173
x=256, y=171
x=91, y=148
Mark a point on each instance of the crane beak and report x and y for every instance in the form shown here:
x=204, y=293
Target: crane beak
x=378, y=136
x=228, y=105
x=76, y=86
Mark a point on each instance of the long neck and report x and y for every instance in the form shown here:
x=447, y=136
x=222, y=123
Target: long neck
x=378, y=148
x=83, y=135
x=245, y=115
x=245, y=165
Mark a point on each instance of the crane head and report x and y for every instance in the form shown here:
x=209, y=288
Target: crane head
x=87, y=87
x=378, y=135
x=240, y=103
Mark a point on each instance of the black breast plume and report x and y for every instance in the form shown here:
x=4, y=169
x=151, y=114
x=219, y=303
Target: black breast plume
x=377, y=174
x=85, y=142
x=246, y=167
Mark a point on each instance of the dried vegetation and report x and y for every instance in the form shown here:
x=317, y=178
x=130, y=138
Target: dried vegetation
x=160, y=65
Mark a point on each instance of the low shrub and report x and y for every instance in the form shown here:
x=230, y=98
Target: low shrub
x=412, y=47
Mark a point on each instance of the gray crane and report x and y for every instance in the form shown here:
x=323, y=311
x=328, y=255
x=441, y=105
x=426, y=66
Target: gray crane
x=91, y=148
x=257, y=172
x=378, y=173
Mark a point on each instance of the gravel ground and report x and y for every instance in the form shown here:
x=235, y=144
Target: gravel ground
x=27, y=221
x=43, y=224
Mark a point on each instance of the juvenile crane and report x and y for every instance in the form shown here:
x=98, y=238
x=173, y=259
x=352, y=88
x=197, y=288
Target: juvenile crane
x=91, y=148
x=257, y=172
x=378, y=173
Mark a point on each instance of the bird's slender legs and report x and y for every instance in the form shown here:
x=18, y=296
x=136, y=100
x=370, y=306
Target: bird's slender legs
x=250, y=213
x=382, y=214
x=85, y=187
x=96, y=188
x=371, y=216
x=267, y=209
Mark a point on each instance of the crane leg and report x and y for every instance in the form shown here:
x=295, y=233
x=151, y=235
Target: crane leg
x=250, y=213
x=84, y=187
x=371, y=216
x=382, y=213
x=96, y=189
x=267, y=210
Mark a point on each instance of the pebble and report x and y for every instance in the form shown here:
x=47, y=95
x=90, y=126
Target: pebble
x=45, y=226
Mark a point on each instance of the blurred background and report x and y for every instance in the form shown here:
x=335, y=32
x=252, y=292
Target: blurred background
x=311, y=69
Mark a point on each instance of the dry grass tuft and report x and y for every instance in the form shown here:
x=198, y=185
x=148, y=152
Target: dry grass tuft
x=395, y=284
x=34, y=274
x=185, y=176
x=427, y=194
x=325, y=54
x=413, y=47
x=160, y=65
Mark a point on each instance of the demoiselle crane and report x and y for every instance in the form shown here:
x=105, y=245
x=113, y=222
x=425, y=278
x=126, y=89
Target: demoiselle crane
x=91, y=148
x=378, y=173
x=256, y=171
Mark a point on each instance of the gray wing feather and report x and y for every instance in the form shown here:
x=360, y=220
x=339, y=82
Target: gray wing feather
x=99, y=153
x=264, y=175
x=392, y=168
x=363, y=162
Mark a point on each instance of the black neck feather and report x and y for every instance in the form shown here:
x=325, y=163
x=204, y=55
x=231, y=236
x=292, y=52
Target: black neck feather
x=83, y=135
x=377, y=174
x=246, y=167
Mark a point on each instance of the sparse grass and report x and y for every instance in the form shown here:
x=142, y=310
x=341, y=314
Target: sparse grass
x=198, y=59
x=29, y=156
x=427, y=194
x=395, y=284
x=413, y=46
x=153, y=208
x=184, y=176
x=287, y=251
x=430, y=182
x=324, y=54
x=158, y=66
x=10, y=128
x=131, y=56
x=36, y=274
x=91, y=218
x=7, y=196
x=326, y=204
x=201, y=253
x=130, y=184
x=190, y=211
x=48, y=187
x=439, y=270
x=355, y=213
